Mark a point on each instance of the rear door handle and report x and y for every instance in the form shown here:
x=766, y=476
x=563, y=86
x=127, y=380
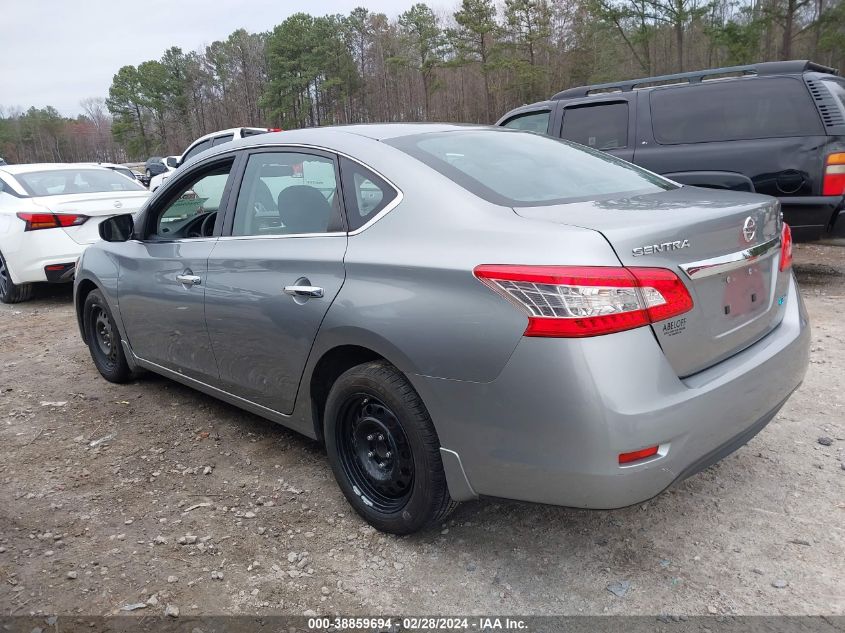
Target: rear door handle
x=189, y=280
x=304, y=291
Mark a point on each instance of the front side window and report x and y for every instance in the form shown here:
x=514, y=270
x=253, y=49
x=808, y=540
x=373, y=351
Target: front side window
x=288, y=193
x=196, y=149
x=518, y=170
x=365, y=194
x=191, y=211
x=57, y=182
x=732, y=110
x=601, y=127
x=530, y=122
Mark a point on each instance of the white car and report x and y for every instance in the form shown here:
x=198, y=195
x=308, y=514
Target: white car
x=203, y=143
x=49, y=213
x=170, y=165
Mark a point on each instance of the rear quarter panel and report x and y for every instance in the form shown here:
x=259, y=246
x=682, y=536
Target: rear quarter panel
x=410, y=293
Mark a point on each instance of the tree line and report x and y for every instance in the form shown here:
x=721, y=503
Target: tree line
x=471, y=64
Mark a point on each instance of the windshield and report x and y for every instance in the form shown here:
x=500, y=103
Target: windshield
x=56, y=182
x=519, y=169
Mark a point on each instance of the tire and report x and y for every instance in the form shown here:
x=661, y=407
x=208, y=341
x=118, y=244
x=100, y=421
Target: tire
x=384, y=450
x=104, y=339
x=11, y=292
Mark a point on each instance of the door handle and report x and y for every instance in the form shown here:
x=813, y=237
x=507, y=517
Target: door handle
x=189, y=280
x=304, y=291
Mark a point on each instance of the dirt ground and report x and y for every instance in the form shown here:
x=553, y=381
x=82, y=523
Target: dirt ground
x=152, y=494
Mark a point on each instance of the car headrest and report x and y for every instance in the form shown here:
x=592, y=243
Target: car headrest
x=304, y=209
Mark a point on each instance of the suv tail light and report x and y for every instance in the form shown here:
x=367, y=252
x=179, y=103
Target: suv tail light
x=580, y=301
x=834, y=175
x=785, y=247
x=37, y=221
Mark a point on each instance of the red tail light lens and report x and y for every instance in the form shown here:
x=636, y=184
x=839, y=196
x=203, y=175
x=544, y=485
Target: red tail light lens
x=38, y=221
x=785, y=247
x=580, y=301
x=635, y=456
x=834, y=175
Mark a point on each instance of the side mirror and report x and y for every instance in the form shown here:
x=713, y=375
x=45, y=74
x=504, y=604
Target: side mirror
x=172, y=162
x=117, y=229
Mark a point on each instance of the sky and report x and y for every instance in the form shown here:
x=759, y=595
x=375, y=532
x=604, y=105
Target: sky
x=58, y=52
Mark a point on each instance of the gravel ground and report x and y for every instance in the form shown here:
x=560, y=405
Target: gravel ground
x=152, y=494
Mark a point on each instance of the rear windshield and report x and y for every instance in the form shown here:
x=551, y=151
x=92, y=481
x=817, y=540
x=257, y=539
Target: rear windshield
x=522, y=169
x=733, y=110
x=56, y=182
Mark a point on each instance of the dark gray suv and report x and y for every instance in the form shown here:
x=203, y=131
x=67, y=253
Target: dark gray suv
x=776, y=128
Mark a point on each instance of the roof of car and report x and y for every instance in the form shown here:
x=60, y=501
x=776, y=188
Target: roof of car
x=375, y=131
x=30, y=167
x=230, y=130
x=334, y=136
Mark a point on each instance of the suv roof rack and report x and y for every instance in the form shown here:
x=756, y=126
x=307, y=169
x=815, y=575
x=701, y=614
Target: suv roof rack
x=763, y=68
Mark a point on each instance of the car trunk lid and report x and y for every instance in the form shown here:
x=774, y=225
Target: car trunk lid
x=724, y=246
x=97, y=206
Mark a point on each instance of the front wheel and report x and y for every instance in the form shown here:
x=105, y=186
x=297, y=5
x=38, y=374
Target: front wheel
x=103, y=339
x=384, y=450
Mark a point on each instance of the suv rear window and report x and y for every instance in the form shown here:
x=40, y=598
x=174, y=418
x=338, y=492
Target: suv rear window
x=733, y=110
x=518, y=169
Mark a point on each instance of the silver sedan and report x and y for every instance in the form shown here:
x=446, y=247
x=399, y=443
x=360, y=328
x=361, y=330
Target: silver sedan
x=458, y=311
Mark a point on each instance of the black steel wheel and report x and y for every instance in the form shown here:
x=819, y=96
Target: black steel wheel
x=103, y=339
x=375, y=452
x=384, y=450
x=11, y=292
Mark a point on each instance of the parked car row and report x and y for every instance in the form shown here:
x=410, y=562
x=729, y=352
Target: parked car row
x=461, y=311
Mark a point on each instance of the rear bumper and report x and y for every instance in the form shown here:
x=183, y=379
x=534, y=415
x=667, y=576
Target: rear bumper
x=811, y=217
x=28, y=254
x=550, y=428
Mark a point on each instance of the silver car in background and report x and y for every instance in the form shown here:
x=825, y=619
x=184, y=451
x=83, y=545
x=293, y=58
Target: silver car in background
x=458, y=311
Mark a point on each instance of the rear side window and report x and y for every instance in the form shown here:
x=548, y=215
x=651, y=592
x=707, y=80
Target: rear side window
x=196, y=149
x=365, y=194
x=598, y=126
x=219, y=140
x=530, y=122
x=287, y=193
x=524, y=170
x=733, y=110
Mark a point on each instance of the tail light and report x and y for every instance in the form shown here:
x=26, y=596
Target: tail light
x=834, y=175
x=575, y=301
x=785, y=247
x=38, y=221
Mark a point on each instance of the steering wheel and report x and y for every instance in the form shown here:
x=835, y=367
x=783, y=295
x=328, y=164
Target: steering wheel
x=207, y=226
x=198, y=228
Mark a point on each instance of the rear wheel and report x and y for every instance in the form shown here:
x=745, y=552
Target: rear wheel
x=11, y=292
x=104, y=339
x=384, y=450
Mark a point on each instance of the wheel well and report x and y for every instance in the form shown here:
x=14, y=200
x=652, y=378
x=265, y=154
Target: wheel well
x=82, y=292
x=328, y=370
